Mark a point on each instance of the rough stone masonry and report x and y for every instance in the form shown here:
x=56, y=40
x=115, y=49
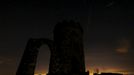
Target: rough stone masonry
x=66, y=51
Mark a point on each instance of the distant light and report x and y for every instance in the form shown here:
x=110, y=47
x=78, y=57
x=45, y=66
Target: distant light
x=40, y=74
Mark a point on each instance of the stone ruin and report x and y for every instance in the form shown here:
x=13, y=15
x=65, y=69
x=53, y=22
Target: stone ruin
x=66, y=51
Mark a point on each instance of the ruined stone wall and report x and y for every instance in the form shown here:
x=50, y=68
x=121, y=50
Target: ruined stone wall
x=67, y=54
x=68, y=38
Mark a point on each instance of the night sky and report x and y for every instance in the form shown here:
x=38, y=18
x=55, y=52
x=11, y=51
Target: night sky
x=108, y=32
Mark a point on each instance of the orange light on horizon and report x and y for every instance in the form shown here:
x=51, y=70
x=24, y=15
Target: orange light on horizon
x=109, y=70
x=40, y=74
x=93, y=70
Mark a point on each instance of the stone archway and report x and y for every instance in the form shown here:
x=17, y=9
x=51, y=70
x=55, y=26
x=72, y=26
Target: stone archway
x=43, y=60
x=28, y=62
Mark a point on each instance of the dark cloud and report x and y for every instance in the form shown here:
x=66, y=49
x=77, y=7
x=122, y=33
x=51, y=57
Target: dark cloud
x=123, y=45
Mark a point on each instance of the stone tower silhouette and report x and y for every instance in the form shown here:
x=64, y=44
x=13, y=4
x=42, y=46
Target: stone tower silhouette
x=67, y=54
